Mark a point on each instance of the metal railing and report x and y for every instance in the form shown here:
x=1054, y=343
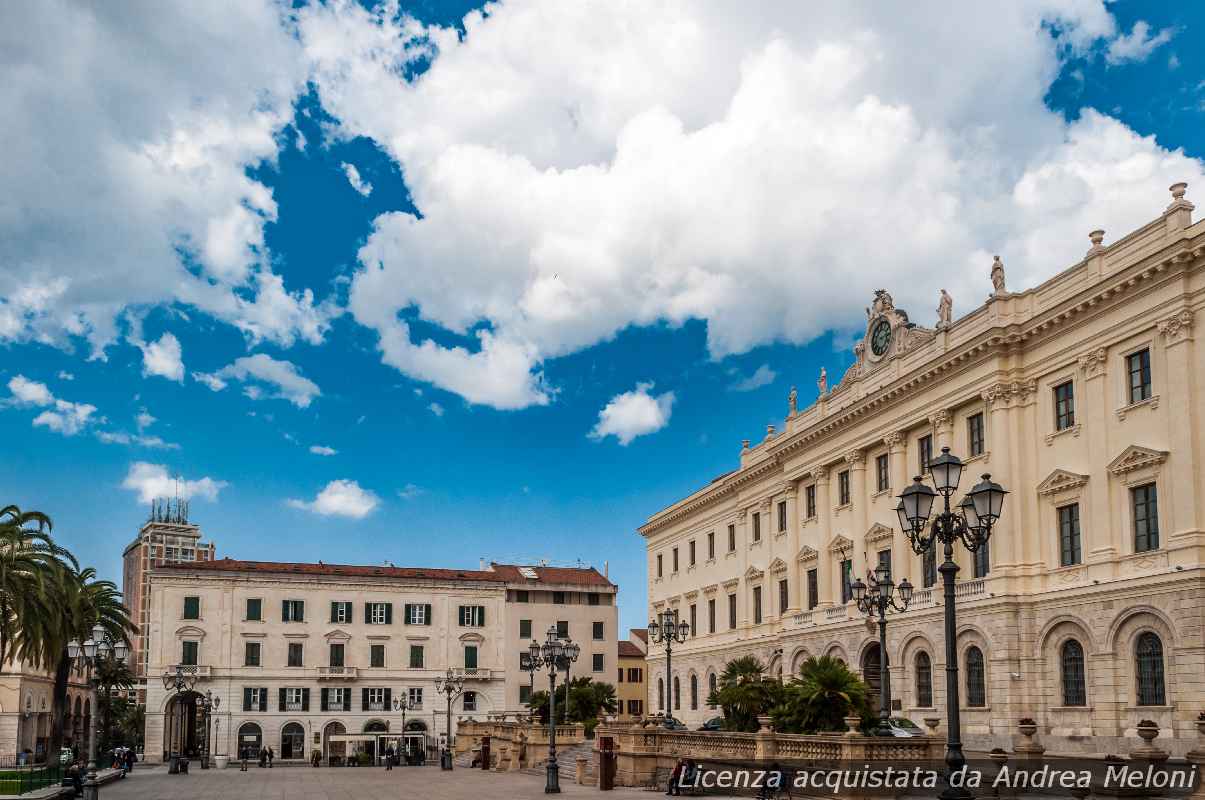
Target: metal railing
x=17, y=777
x=337, y=673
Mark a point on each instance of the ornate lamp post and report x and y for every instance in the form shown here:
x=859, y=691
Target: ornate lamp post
x=530, y=667
x=206, y=705
x=404, y=706
x=555, y=654
x=88, y=655
x=182, y=681
x=875, y=601
x=450, y=686
x=666, y=629
x=970, y=524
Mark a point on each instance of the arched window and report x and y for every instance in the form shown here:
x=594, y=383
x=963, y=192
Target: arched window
x=250, y=740
x=976, y=688
x=1149, y=657
x=660, y=694
x=694, y=692
x=711, y=687
x=924, y=680
x=677, y=693
x=1071, y=658
x=292, y=741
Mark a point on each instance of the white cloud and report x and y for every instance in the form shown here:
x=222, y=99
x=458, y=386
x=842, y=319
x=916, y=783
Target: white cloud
x=353, y=177
x=341, y=498
x=132, y=173
x=722, y=165
x=436, y=409
x=64, y=375
x=29, y=393
x=121, y=437
x=163, y=358
x=144, y=420
x=323, y=450
x=153, y=480
x=60, y=416
x=1138, y=44
x=762, y=376
x=284, y=378
x=633, y=414
x=410, y=491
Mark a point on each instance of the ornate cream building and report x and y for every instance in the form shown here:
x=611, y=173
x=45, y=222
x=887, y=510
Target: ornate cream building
x=1085, y=397
x=312, y=657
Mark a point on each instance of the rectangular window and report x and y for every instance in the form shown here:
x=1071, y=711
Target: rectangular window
x=337, y=651
x=416, y=697
x=711, y=615
x=338, y=699
x=884, y=557
x=472, y=616
x=255, y=698
x=756, y=605
x=417, y=659
x=293, y=699
x=929, y=567
x=731, y=612
x=292, y=611
x=847, y=571
x=1138, y=367
x=635, y=674
x=295, y=654
x=469, y=701
x=340, y=612
x=981, y=561
x=374, y=699
x=881, y=473
x=597, y=631
x=255, y=609
x=694, y=621
x=379, y=613
x=524, y=695
x=784, y=596
x=975, y=439
x=1146, y=518
x=524, y=629
x=924, y=453
x=809, y=501
x=690, y=552
x=521, y=596
x=843, y=488
x=376, y=656
x=192, y=608
x=562, y=629
x=251, y=652
x=757, y=527
x=470, y=656
x=782, y=515
x=418, y=614
x=1064, y=406
x=674, y=559
x=558, y=598
x=1069, y=538
x=660, y=566
x=597, y=664
x=710, y=545
x=731, y=538
x=813, y=589
x=189, y=653
x=593, y=598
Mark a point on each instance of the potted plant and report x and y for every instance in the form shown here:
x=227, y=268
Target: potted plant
x=221, y=761
x=931, y=723
x=1147, y=730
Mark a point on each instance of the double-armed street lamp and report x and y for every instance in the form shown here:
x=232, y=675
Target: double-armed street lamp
x=556, y=654
x=971, y=523
x=88, y=655
x=182, y=679
x=450, y=686
x=666, y=629
x=875, y=600
x=404, y=706
x=207, y=704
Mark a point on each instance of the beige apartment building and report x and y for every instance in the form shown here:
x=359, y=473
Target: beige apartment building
x=631, y=687
x=1084, y=397
x=344, y=659
x=26, y=700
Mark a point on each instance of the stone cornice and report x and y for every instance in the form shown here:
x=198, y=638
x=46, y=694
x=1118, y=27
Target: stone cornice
x=1136, y=457
x=1061, y=480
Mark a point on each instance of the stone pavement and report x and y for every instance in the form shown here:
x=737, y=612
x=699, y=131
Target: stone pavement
x=358, y=783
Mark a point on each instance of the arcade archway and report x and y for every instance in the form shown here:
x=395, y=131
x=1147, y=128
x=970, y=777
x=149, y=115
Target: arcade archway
x=183, y=726
x=872, y=672
x=250, y=741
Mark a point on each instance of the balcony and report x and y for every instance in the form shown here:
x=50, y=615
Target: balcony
x=477, y=673
x=835, y=613
x=197, y=671
x=293, y=707
x=336, y=673
x=377, y=707
x=972, y=588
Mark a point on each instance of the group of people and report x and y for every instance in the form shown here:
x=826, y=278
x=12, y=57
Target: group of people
x=265, y=756
x=123, y=759
x=683, y=774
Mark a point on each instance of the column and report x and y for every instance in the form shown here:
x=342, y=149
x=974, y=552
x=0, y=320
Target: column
x=907, y=563
x=1005, y=546
x=1176, y=390
x=795, y=598
x=824, y=514
x=856, y=461
x=943, y=430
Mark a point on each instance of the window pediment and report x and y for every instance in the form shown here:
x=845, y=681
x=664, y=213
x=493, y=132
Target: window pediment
x=840, y=543
x=1061, y=480
x=338, y=635
x=712, y=589
x=475, y=638
x=731, y=583
x=878, y=533
x=777, y=566
x=190, y=632
x=754, y=574
x=1136, y=457
x=806, y=553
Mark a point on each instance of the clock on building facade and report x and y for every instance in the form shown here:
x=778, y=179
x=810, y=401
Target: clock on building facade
x=880, y=337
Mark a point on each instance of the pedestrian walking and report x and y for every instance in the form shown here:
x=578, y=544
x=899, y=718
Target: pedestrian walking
x=674, y=777
x=389, y=758
x=271, y=755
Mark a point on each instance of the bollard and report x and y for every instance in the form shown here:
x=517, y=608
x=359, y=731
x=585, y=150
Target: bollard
x=581, y=771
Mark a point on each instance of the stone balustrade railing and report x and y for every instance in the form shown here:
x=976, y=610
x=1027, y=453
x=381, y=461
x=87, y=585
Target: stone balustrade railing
x=529, y=741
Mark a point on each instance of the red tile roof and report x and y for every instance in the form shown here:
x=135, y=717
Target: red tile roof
x=641, y=633
x=571, y=576
x=629, y=650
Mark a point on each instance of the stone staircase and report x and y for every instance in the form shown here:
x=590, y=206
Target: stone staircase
x=566, y=759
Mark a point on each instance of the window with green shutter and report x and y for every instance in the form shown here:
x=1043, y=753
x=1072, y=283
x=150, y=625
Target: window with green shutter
x=376, y=656
x=189, y=653
x=292, y=611
x=470, y=656
x=416, y=656
x=524, y=629
x=255, y=609
x=192, y=608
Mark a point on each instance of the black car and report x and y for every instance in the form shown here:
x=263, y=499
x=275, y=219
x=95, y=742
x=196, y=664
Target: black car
x=713, y=724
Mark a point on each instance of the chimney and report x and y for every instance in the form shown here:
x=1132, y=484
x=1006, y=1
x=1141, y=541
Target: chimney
x=607, y=570
x=481, y=564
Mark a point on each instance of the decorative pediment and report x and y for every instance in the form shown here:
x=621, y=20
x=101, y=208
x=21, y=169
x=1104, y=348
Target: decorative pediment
x=712, y=589
x=190, y=632
x=1061, y=480
x=777, y=566
x=339, y=635
x=473, y=637
x=878, y=533
x=840, y=543
x=731, y=583
x=754, y=574
x=691, y=595
x=806, y=554
x=1136, y=457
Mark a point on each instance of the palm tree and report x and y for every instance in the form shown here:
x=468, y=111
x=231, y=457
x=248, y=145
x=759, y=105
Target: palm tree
x=819, y=700
x=745, y=692
x=27, y=557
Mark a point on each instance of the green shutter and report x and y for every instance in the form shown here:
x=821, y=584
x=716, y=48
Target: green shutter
x=483, y=616
x=364, y=699
x=334, y=611
x=406, y=614
x=282, y=699
x=246, y=698
x=428, y=614
x=347, y=699
x=192, y=608
x=323, y=699
x=470, y=657
x=368, y=613
x=389, y=613
x=388, y=698
x=305, y=699
x=284, y=611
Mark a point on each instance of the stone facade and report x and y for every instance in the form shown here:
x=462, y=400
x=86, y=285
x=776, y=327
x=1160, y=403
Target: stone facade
x=26, y=697
x=1083, y=396
x=631, y=690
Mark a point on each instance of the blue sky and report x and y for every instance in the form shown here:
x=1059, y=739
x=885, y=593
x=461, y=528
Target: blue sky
x=623, y=235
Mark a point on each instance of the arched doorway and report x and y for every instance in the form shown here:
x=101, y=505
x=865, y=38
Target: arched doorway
x=374, y=726
x=335, y=753
x=184, y=726
x=414, y=741
x=292, y=741
x=250, y=741
x=872, y=672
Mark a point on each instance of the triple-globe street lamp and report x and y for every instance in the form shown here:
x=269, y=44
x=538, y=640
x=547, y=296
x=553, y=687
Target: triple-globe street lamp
x=666, y=629
x=971, y=524
x=88, y=655
x=450, y=686
x=182, y=679
x=555, y=654
x=875, y=600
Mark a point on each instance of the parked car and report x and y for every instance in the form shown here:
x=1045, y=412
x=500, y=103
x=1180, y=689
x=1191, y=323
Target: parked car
x=904, y=727
x=713, y=724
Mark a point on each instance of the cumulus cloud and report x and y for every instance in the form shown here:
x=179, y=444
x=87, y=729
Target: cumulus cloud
x=60, y=416
x=29, y=393
x=436, y=409
x=410, y=491
x=724, y=167
x=353, y=177
x=762, y=376
x=144, y=420
x=64, y=375
x=1138, y=44
x=323, y=450
x=163, y=358
x=153, y=480
x=283, y=379
x=138, y=440
x=340, y=498
x=633, y=414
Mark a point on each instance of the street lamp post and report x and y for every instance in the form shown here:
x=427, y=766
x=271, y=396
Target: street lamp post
x=556, y=654
x=970, y=524
x=530, y=667
x=88, y=655
x=666, y=629
x=450, y=686
x=182, y=681
x=404, y=706
x=207, y=704
x=875, y=600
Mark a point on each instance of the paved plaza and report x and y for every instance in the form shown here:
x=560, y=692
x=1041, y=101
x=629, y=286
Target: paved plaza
x=304, y=783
